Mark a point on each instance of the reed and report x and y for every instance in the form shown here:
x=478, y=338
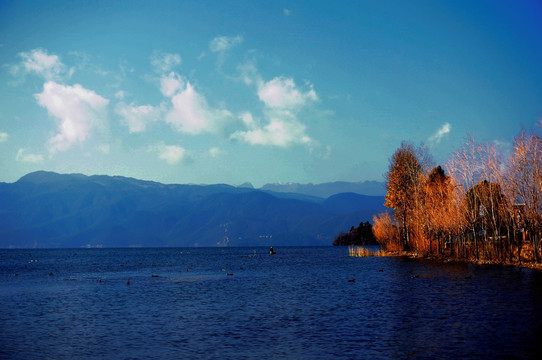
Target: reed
x=361, y=251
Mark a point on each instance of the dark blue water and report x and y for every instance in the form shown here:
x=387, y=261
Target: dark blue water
x=234, y=303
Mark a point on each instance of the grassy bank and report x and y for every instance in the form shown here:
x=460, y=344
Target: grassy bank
x=361, y=251
x=446, y=259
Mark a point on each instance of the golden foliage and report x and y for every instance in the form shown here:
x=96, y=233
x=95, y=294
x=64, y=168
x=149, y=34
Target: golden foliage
x=386, y=232
x=486, y=208
x=403, y=186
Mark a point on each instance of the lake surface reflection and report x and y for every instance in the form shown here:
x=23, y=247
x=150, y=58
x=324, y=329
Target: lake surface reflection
x=242, y=303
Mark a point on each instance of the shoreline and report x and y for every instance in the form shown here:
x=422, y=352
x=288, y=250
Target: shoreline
x=363, y=251
x=445, y=260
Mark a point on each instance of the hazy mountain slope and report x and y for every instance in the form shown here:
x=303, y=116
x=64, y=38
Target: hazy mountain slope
x=53, y=210
x=345, y=203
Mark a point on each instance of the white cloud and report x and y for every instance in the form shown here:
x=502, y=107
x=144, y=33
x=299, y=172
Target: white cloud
x=119, y=94
x=283, y=129
x=282, y=93
x=172, y=154
x=224, y=43
x=189, y=111
x=78, y=110
x=38, y=61
x=215, y=152
x=137, y=117
x=436, y=137
x=287, y=12
x=283, y=101
x=249, y=121
x=249, y=73
x=171, y=84
x=29, y=158
x=164, y=62
x=3, y=137
x=192, y=115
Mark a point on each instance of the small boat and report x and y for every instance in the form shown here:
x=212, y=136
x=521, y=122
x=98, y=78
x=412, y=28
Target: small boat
x=272, y=251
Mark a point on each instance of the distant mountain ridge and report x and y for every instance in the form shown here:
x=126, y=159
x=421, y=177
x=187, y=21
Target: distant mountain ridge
x=324, y=190
x=45, y=209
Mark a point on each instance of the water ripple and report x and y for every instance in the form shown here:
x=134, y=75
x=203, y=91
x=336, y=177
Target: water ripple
x=298, y=304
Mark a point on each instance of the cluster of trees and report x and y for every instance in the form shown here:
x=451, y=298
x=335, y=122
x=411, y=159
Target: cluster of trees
x=484, y=204
x=361, y=235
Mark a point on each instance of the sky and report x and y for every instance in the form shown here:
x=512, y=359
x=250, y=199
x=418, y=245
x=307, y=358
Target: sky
x=206, y=92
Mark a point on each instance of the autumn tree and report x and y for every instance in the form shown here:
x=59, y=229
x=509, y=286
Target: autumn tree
x=483, y=205
x=525, y=182
x=436, y=209
x=486, y=198
x=386, y=232
x=497, y=201
x=464, y=166
x=456, y=220
x=403, y=185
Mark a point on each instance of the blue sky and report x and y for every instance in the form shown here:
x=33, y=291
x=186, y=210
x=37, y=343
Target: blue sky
x=259, y=91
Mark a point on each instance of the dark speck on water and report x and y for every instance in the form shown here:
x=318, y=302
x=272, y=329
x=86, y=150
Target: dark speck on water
x=303, y=303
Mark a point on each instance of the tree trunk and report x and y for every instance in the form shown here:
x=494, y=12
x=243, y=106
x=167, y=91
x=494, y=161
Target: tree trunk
x=475, y=242
x=535, y=248
x=405, y=232
x=520, y=242
x=509, y=240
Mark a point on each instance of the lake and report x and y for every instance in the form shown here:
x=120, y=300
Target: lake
x=242, y=303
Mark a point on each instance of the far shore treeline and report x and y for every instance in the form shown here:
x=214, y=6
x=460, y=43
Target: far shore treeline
x=361, y=235
x=482, y=205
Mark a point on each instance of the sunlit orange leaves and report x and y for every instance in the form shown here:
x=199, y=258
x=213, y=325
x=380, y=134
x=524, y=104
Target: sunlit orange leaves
x=485, y=204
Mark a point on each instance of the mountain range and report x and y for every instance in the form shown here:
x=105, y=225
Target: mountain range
x=325, y=190
x=46, y=209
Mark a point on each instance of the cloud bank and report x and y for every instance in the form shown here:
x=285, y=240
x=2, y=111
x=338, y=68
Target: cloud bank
x=80, y=112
